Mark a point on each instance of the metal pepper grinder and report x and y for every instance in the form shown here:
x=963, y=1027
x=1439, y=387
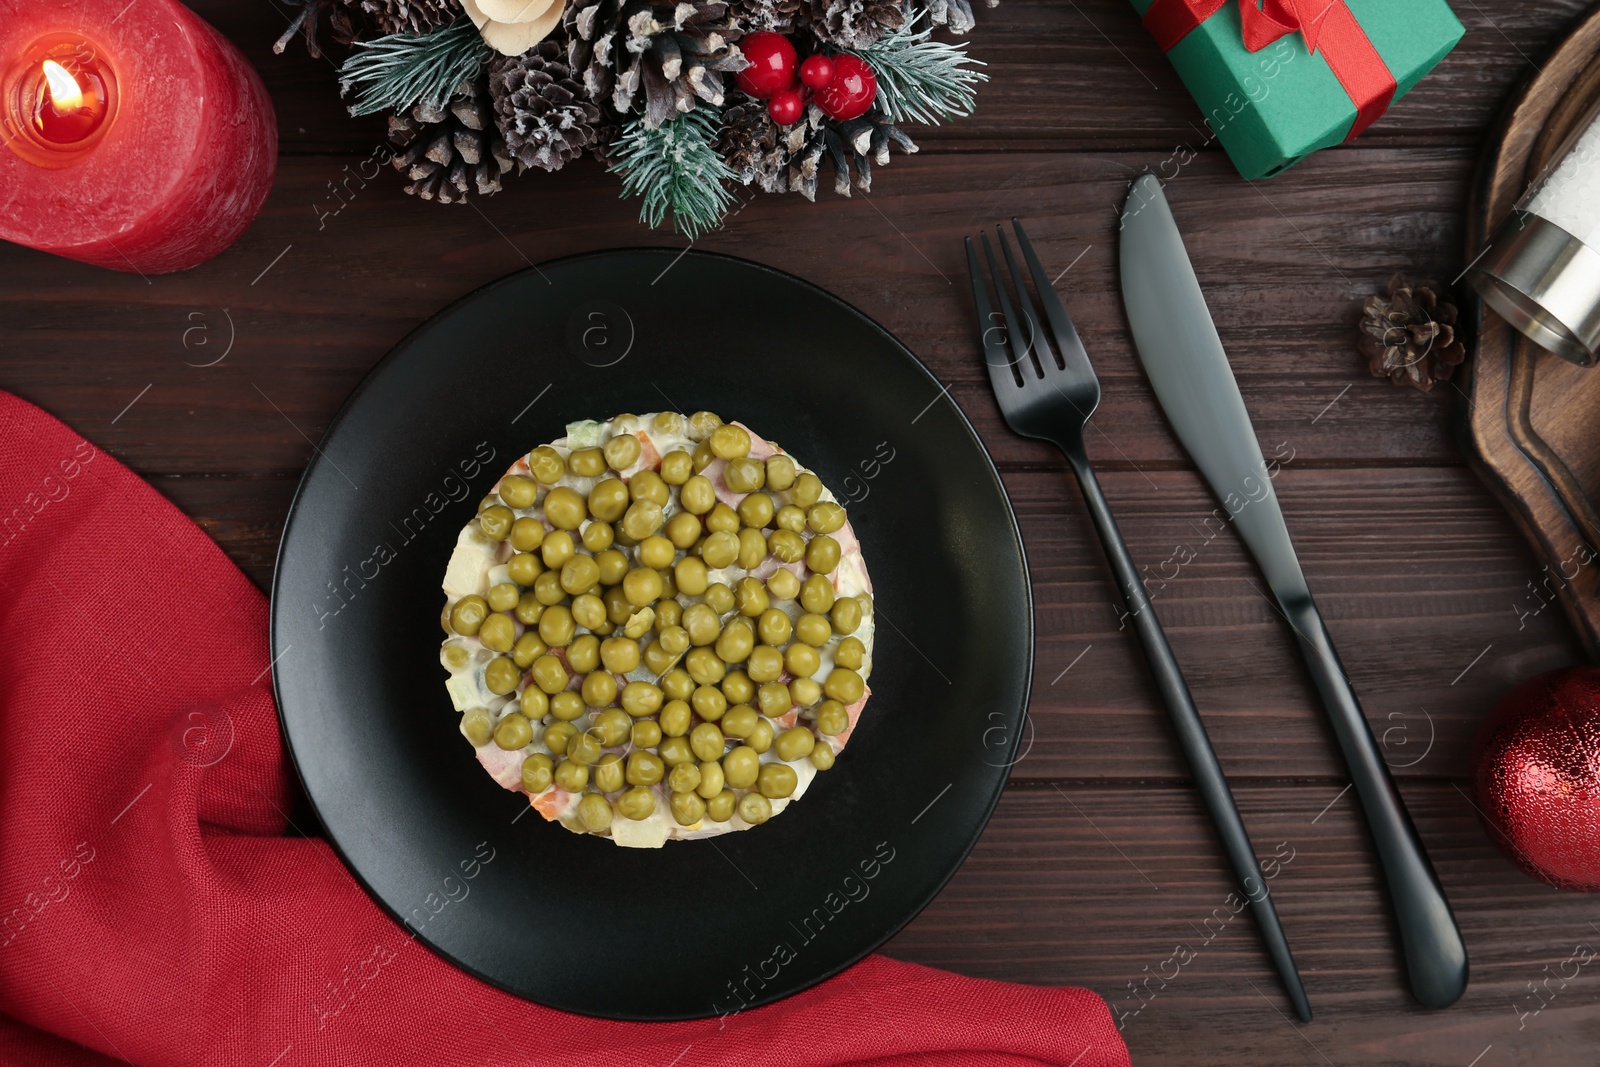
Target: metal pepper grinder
x=1542, y=272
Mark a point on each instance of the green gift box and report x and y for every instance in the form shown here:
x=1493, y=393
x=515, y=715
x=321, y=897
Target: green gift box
x=1279, y=79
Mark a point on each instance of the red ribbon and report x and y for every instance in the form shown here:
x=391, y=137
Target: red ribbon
x=1328, y=26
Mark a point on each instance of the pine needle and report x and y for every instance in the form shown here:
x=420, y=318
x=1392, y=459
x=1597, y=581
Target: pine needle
x=403, y=70
x=675, y=168
x=919, y=79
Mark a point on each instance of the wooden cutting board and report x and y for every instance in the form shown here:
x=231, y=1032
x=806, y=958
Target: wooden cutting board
x=1530, y=421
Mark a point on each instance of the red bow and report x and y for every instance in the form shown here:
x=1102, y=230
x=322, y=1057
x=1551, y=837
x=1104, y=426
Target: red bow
x=1328, y=26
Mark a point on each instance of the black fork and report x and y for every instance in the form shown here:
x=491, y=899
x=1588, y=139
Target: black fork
x=1049, y=393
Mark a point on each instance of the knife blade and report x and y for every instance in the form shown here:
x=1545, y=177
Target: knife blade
x=1184, y=359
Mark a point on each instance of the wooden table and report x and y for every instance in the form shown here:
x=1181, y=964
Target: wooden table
x=1099, y=863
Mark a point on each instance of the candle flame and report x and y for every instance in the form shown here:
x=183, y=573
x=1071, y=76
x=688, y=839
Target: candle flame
x=65, y=93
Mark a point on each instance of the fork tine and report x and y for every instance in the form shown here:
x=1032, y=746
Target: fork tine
x=1019, y=348
x=1041, y=347
x=994, y=352
x=1066, y=334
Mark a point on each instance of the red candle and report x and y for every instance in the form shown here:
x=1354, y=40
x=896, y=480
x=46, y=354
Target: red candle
x=136, y=137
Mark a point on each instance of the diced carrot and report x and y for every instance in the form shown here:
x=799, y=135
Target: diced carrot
x=551, y=803
x=649, y=457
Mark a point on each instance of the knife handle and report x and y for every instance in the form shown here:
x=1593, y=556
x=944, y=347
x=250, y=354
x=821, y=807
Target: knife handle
x=1192, y=737
x=1435, y=955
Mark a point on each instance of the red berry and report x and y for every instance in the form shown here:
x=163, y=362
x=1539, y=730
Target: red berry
x=772, y=64
x=851, y=91
x=816, y=71
x=786, y=106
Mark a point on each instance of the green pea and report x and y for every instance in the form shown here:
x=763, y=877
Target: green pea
x=765, y=664
x=762, y=736
x=597, y=536
x=793, y=743
x=619, y=654
x=558, y=735
x=723, y=519
x=846, y=614
x=822, y=756
x=816, y=594
x=501, y=676
x=698, y=496
x=739, y=721
x=677, y=467
x=706, y=741
x=528, y=608
x=547, y=589
x=701, y=423
x=468, y=614
x=564, y=508
x=640, y=699
x=534, y=703
x=806, y=490
x=644, y=768
x=622, y=451
x=495, y=522
x=676, y=684
x=613, y=726
x=518, y=492
x=608, y=773
x=822, y=554
x=756, y=511
x=745, y=475
x=675, y=750
x=832, y=718
x=642, y=519
x=536, y=772
x=704, y=666
x=740, y=767
x=844, y=685
x=594, y=811
x=777, y=780
x=710, y=779
x=709, y=703
x=676, y=718
x=513, y=732
x=642, y=586
x=647, y=485
x=549, y=674
x=587, y=462
x=736, y=641
x=584, y=748
x=526, y=534
x=804, y=692
x=583, y=654
x=738, y=688
x=773, y=699
x=783, y=585
x=719, y=549
x=571, y=776
x=719, y=598
x=687, y=808
x=685, y=778
x=546, y=464
x=729, y=442
x=646, y=734
x=720, y=807
x=752, y=549
x=498, y=632
x=637, y=803
x=557, y=548
x=754, y=808
x=780, y=472
x=787, y=545
x=609, y=499
x=600, y=690
x=674, y=640
x=791, y=519
x=690, y=574
x=556, y=626
x=478, y=725
x=588, y=610
x=850, y=653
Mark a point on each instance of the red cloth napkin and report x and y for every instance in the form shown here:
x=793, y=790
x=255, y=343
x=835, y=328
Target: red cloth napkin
x=152, y=909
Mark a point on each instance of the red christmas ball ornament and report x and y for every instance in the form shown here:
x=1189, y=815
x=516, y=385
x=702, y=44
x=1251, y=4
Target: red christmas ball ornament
x=851, y=91
x=816, y=71
x=786, y=106
x=1538, y=777
x=772, y=64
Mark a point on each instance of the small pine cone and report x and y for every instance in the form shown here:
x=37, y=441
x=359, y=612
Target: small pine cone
x=540, y=111
x=1409, y=335
x=409, y=16
x=954, y=15
x=778, y=15
x=855, y=23
x=344, y=24
x=654, y=58
x=451, y=151
x=754, y=148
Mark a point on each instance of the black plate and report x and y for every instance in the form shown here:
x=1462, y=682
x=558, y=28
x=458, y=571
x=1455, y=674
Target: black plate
x=695, y=928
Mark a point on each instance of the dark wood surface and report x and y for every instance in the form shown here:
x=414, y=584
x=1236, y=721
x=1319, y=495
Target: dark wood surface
x=1099, y=862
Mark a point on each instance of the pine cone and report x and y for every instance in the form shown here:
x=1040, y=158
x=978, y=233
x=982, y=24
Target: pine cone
x=854, y=146
x=345, y=25
x=450, y=151
x=671, y=54
x=755, y=149
x=1409, y=336
x=409, y=16
x=954, y=15
x=779, y=15
x=855, y=23
x=540, y=111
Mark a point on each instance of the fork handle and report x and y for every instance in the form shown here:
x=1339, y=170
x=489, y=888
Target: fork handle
x=1191, y=731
